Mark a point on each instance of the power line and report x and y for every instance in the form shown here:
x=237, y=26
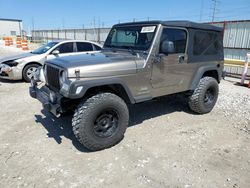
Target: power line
x=205, y=15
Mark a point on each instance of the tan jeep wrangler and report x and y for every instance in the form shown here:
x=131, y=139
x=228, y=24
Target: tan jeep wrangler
x=139, y=61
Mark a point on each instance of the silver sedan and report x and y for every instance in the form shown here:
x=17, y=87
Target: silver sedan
x=24, y=66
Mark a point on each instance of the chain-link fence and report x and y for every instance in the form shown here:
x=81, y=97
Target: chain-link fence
x=97, y=34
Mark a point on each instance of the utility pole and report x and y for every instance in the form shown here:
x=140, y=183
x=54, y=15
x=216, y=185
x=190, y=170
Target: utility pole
x=201, y=12
x=99, y=22
x=94, y=22
x=84, y=33
x=63, y=23
x=33, y=28
x=33, y=24
x=214, y=9
x=94, y=30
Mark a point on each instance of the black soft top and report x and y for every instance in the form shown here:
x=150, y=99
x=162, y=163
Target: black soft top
x=185, y=24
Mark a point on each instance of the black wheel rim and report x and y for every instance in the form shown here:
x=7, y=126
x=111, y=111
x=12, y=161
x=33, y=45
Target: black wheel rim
x=209, y=96
x=106, y=123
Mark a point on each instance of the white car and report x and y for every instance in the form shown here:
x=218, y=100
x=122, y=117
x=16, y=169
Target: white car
x=24, y=66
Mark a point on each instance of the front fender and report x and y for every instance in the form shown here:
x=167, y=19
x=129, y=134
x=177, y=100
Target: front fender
x=95, y=83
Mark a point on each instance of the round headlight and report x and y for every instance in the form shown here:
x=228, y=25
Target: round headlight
x=62, y=77
x=42, y=76
x=45, y=70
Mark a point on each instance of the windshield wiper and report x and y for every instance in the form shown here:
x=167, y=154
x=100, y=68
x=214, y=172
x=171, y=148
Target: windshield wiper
x=115, y=48
x=112, y=47
x=130, y=49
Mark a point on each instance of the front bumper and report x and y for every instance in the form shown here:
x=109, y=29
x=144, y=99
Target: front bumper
x=49, y=99
x=10, y=73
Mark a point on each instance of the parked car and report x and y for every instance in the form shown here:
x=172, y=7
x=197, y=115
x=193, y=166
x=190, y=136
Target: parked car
x=139, y=62
x=23, y=66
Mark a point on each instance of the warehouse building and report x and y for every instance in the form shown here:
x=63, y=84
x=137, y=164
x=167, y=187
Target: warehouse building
x=236, y=44
x=236, y=38
x=10, y=27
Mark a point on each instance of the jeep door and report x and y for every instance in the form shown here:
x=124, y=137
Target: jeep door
x=170, y=71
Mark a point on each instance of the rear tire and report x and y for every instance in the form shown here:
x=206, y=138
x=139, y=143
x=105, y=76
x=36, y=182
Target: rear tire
x=28, y=71
x=101, y=121
x=205, y=96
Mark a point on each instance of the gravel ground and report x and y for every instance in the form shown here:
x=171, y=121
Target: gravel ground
x=165, y=145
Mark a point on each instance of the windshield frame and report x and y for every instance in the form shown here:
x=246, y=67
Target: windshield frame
x=130, y=48
x=43, y=50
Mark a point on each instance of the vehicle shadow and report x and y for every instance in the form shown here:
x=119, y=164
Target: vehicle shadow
x=10, y=81
x=58, y=128
x=158, y=107
x=61, y=127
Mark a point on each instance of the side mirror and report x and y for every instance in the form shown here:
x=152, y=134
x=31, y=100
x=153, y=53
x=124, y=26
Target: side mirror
x=55, y=52
x=167, y=47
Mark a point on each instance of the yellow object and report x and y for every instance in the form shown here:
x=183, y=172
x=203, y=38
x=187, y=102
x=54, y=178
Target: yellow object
x=234, y=62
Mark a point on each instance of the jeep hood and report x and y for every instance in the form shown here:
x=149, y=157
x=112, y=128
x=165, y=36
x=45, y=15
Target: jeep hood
x=15, y=57
x=99, y=64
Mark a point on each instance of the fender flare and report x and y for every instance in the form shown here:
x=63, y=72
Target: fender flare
x=95, y=83
x=200, y=72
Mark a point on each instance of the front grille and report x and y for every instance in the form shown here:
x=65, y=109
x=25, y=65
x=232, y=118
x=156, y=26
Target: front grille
x=4, y=74
x=53, y=77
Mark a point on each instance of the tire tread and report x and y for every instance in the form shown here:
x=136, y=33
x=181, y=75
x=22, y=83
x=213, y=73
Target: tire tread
x=83, y=110
x=194, y=100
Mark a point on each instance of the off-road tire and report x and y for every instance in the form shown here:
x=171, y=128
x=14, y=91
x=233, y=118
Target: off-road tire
x=87, y=112
x=197, y=99
x=25, y=77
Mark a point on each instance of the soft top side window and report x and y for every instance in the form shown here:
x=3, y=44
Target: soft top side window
x=206, y=43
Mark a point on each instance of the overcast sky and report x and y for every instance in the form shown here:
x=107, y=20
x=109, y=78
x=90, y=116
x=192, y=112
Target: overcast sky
x=55, y=14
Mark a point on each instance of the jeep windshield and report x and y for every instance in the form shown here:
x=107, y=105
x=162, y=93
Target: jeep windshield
x=44, y=48
x=131, y=37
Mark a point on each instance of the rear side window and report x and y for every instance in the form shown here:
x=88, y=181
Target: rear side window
x=84, y=46
x=66, y=48
x=177, y=36
x=206, y=43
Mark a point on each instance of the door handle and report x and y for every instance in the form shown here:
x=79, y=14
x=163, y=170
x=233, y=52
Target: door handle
x=181, y=59
x=157, y=58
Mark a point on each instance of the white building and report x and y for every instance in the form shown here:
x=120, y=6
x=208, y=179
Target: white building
x=10, y=27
